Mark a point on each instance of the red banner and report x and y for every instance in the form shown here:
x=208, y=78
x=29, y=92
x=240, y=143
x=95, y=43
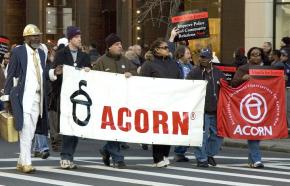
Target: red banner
x=255, y=110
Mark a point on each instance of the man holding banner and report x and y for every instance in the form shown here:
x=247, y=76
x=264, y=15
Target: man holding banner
x=254, y=108
x=113, y=61
x=70, y=55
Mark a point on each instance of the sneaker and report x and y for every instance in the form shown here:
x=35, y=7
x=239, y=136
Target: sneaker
x=211, y=161
x=160, y=164
x=256, y=165
x=144, y=146
x=180, y=158
x=67, y=164
x=202, y=164
x=166, y=160
x=106, y=157
x=45, y=154
x=120, y=165
x=73, y=165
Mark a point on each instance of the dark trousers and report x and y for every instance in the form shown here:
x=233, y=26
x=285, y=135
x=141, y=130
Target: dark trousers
x=159, y=151
x=69, y=144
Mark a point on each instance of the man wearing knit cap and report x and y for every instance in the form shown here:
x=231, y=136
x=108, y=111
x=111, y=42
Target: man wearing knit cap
x=70, y=55
x=113, y=61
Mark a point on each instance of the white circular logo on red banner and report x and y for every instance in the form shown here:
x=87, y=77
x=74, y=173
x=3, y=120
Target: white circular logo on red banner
x=253, y=108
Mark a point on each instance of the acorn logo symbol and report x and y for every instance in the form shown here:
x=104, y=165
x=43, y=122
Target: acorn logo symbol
x=76, y=102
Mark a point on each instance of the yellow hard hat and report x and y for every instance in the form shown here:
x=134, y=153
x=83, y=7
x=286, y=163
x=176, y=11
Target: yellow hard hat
x=31, y=30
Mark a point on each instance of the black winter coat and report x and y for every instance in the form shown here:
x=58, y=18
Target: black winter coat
x=213, y=77
x=64, y=57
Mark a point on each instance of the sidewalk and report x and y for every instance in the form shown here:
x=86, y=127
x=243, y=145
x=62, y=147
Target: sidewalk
x=280, y=145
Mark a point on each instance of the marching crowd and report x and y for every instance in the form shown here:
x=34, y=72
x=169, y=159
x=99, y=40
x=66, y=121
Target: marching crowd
x=32, y=73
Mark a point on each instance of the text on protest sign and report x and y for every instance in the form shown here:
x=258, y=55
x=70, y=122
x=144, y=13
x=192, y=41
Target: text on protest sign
x=191, y=25
x=255, y=110
x=108, y=106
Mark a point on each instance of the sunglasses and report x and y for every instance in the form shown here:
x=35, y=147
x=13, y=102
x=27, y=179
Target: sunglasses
x=256, y=54
x=164, y=47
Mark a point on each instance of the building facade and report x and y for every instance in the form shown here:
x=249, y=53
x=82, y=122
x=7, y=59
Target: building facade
x=233, y=24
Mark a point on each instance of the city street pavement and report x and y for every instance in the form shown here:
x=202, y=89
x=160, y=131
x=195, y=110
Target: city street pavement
x=231, y=170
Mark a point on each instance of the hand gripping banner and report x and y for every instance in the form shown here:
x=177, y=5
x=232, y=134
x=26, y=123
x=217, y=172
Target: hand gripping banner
x=256, y=109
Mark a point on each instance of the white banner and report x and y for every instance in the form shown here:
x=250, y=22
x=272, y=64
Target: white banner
x=108, y=106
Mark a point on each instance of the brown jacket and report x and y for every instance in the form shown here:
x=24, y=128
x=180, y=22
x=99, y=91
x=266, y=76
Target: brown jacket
x=115, y=64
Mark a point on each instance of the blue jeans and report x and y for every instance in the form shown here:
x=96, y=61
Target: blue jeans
x=180, y=150
x=40, y=143
x=211, y=143
x=254, y=151
x=113, y=147
x=69, y=145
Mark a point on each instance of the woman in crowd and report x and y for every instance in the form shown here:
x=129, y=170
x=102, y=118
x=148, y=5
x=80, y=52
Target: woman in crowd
x=161, y=66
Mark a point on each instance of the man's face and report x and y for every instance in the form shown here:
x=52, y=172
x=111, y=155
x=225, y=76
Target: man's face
x=137, y=49
x=116, y=48
x=33, y=41
x=284, y=57
x=204, y=62
x=266, y=47
x=76, y=41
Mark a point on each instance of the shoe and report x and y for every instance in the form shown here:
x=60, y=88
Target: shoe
x=106, y=157
x=256, y=165
x=166, y=160
x=25, y=168
x=120, y=165
x=202, y=164
x=125, y=146
x=181, y=158
x=73, y=165
x=37, y=154
x=67, y=164
x=160, y=164
x=45, y=154
x=211, y=161
x=18, y=167
x=144, y=146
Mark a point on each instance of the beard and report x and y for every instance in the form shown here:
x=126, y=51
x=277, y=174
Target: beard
x=35, y=45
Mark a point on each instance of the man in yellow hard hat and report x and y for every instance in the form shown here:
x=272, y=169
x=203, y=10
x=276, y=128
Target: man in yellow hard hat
x=25, y=86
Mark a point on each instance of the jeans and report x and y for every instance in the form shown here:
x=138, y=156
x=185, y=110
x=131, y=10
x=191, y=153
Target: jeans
x=69, y=145
x=180, y=150
x=254, y=151
x=211, y=143
x=40, y=143
x=113, y=147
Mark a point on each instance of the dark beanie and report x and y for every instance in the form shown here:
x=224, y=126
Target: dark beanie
x=111, y=39
x=286, y=40
x=72, y=31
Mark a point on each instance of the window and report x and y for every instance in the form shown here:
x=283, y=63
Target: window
x=282, y=21
x=59, y=15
